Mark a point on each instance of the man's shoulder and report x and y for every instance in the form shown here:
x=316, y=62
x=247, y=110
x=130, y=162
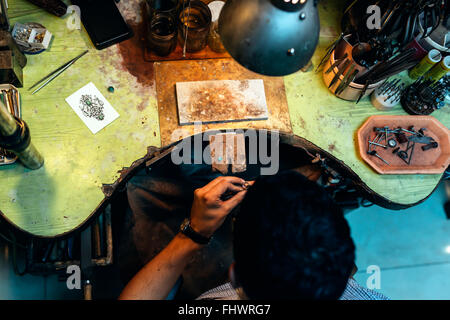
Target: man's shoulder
x=354, y=291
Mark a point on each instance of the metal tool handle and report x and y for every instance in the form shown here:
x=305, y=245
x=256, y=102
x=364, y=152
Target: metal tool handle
x=30, y=157
x=8, y=124
x=87, y=290
x=51, y=76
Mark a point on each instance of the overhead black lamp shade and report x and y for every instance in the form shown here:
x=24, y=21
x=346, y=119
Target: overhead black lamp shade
x=270, y=37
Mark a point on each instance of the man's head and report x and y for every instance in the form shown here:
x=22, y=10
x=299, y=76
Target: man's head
x=291, y=241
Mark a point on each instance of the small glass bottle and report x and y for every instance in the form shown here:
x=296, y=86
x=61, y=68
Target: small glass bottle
x=162, y=34
x=194, y=26
x=214, y=40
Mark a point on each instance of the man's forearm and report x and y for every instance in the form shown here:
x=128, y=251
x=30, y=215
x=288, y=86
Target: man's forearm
x=208, y=212
x=157, y=278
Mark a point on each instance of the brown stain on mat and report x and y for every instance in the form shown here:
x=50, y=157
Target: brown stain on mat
x=132, y=52
x=302, y=122
x=141, y=106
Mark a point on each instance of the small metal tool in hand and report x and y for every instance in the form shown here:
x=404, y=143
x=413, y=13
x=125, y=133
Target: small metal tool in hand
x=50, y=77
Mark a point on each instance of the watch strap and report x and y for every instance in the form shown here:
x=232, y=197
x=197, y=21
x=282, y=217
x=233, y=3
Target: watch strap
x=187, y=230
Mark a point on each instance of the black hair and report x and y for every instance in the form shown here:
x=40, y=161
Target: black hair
x=291, y=241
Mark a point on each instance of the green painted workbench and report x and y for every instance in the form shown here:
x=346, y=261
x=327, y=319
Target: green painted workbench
x=331, y=123
x=62, y=195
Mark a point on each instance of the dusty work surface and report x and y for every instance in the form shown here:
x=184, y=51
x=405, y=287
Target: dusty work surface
x=63, y=194
x=169, y=73
x=60, y=196
x=221, y=101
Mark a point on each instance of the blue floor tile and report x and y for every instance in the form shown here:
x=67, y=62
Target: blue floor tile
x=412, y=248
x=14, y=287
x=429, y=282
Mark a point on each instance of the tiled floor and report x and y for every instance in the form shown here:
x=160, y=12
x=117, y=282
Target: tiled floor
x=15, y=287
x=29, y=287
x=412, y=248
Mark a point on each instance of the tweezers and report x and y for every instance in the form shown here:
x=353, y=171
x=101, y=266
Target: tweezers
x=50, y=77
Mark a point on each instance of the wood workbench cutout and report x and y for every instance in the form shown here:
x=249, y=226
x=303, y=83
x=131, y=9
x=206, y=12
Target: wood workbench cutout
x=171, y=72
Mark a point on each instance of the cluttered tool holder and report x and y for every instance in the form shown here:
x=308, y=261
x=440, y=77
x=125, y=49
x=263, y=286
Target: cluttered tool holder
x=12, y=60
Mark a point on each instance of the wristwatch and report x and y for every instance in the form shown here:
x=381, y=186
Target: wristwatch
x=187, y=230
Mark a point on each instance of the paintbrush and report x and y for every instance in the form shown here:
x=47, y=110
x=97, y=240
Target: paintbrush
x=336, y=63
x=390, y=67
x=330, y=49
x=363, y=91
x=339, y=73
x=394, y=71
x=349, y=76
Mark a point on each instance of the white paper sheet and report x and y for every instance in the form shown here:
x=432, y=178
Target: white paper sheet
x=92, y=108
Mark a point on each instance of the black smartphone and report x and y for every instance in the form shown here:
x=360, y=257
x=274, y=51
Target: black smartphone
x=103, y=22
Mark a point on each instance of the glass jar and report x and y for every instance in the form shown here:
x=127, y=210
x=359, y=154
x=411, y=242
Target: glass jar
x=163, y=6
x=162, y=34
x=214, y=40
x=194, y=25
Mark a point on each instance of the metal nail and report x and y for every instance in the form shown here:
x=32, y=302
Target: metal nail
x=377, y=144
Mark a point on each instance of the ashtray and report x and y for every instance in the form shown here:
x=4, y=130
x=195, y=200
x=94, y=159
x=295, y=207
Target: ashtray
x=405, y=144
x=31, y=37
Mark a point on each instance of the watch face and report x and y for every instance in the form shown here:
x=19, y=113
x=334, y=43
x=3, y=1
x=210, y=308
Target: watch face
x=186, y=229
x=185, y=224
